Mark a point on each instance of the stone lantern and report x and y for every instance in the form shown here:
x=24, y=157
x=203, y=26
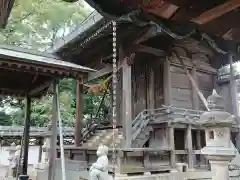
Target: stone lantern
x=11, y=150
x=219, y=149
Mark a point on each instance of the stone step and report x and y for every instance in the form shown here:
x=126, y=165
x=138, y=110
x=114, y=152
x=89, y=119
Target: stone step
x=103, y=137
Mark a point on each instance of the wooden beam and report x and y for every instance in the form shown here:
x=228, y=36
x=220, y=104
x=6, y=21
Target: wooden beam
x=53, y=141
x=167, y=83
x=195, y=99
x=151, y=32
x=151, y=85
x=166, y=11
x=134, y=49
x=78, y=118
x=40, y=88
x=147, y=49
x=216, y=12
x=233, y=87
x=188, y=140
x=25, y=149
x=100, y=73
x=127, y=102
x=171, y=145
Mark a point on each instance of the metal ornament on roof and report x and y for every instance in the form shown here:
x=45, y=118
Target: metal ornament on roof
x=114, y=89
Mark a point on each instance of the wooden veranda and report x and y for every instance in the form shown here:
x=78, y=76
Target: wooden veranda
x=29, y=75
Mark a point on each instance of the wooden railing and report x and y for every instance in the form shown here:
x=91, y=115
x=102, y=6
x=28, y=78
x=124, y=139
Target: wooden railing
x=144, y=117
x=162, y=114
x=6, y=131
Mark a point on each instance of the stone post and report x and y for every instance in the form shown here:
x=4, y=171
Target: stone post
x=218, y=149
x=46, y=151
x=18, y=160
x=11, y=150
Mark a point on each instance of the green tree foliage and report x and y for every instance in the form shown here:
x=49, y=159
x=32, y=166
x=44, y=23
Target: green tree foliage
x=5, y=119
x=37, y=24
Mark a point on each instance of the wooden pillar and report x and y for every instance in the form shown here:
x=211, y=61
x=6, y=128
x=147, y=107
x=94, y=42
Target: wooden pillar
x=199, y=140
x=146, y=159
x=195, y=99
x=234, y=96
x=151, y=97
x=200, y=146
x=78, y=118
x=40, y=149
x=171, y=146
x=117, y=168
x=127, y=103
x=188, y=140
x=167, y=83
x=53, y=141
x=119, y=90
x=26, y=137
x=233, y=87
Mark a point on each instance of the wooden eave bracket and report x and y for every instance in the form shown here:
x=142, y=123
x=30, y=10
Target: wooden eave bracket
x=37, y=69
x=40, y=88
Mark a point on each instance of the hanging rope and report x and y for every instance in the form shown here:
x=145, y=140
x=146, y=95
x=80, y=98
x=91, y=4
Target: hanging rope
x=114, y=89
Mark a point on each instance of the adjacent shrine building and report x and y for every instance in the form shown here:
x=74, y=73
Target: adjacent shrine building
x=164, y=77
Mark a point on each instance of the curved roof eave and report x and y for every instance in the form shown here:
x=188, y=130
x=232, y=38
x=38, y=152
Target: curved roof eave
x=87, y=27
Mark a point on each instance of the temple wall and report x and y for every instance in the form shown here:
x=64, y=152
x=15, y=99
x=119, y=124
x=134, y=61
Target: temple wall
x=183, y=94
x=143, y=84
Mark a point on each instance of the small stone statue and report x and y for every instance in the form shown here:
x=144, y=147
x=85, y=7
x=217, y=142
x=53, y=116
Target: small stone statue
x=45, y=151
x=98, y=170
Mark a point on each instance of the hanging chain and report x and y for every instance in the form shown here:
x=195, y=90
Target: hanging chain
x=114, y=88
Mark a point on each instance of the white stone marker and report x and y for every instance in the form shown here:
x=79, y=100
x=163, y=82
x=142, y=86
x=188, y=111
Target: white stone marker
x=218, y=149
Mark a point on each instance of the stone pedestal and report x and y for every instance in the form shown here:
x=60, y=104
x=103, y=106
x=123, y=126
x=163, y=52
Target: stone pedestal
x=220, y=170
x=42, y=167
x=218, y=150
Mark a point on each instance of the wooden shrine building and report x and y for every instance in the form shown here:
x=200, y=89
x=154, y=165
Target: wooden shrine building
x=29, y=75
x=168, y=58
